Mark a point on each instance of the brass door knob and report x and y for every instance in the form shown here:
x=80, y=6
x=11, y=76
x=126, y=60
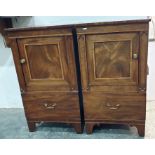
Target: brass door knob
x=22, y=61
x=135, y=56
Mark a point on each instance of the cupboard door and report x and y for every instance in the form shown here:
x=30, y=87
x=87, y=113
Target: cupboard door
x=48, y=63
x=111, y=60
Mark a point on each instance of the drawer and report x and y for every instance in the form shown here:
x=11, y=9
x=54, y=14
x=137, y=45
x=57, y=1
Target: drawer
x=121, y=107
x=52, y=107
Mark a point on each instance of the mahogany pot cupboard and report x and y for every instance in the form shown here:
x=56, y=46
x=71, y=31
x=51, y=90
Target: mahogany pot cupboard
x=93, y=73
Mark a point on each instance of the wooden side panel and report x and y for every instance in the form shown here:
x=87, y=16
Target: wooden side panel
x=16, y=57
x=83, y=61
x=143, y=61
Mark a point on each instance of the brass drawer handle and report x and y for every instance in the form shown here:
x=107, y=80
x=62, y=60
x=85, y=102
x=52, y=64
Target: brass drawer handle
x=112, y=107
x=142, y=89
x=50, y=106
x=84, y=28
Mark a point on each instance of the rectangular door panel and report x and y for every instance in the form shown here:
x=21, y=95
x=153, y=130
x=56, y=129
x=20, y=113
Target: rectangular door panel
x=112, y=59
x=50, y=66
x=48, y=63
x=109, y=60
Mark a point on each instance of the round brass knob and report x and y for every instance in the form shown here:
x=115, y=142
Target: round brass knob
x=135, y=56
x=22, y=61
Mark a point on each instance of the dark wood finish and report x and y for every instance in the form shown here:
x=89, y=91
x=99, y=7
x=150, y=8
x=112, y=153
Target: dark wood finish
x=89, y=127
x=141, y=129
x=50, y=60
x=54, y=59
x=47, y=76
x=116, y=68
x=111, y=23
x=114, y=106
x=113, y=65
x=110, y=59
x=143, y=68
x=113, y=60
x=78, y=127
x=52, y=106
x=31, y=126
x=106, y=29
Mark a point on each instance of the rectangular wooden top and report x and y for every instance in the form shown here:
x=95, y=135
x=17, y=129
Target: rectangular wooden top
x=77, y=25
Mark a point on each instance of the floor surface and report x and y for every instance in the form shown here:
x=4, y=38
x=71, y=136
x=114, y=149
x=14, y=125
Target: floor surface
x=14, y=126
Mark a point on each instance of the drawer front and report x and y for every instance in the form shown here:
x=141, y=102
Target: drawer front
x=114, y=107
x=53, y=107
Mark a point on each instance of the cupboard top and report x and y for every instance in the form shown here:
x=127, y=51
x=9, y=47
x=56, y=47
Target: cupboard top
x=68, y=26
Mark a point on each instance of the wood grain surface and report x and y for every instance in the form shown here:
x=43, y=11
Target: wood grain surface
x=113, y=65
x=113, y=60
